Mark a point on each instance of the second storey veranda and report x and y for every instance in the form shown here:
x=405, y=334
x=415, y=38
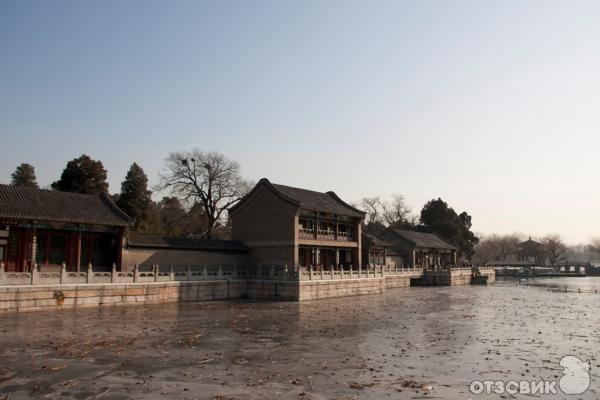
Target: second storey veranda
x=297, y=227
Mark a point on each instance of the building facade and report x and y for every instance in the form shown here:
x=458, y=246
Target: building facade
x=283, y=225
x=409, y=248
x=374, y=249
x=49, y=228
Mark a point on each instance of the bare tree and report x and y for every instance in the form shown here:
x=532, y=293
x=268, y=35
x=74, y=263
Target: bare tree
x=508, y=245
x=209, y=179
x=373, y=207
x=554, y=249
x=594, y=246
x=486, y=250
x=395, y=211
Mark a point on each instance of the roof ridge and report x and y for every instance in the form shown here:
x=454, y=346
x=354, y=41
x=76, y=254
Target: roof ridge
x=107, y=199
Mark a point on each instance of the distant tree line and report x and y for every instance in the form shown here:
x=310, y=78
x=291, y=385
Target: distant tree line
x=436, y=216
x=552, y=249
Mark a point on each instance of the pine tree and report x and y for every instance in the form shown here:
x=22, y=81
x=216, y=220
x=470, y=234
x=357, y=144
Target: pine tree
x=83, y=175
x=135, y=198
x=173, y=216
x=24, y=175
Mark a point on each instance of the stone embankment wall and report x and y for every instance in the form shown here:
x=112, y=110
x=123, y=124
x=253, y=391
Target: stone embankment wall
x=458, y=276
x=42, y=297
x=268, y=284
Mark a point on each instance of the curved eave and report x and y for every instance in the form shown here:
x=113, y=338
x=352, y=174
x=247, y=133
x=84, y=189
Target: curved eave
x=348, y=206
x=109, y=201
x=263, y=182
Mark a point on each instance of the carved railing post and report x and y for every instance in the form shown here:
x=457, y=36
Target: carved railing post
x=310, y=271
x=113, y=273
x=204, y=272
x=63, y=273
x=321, y=271
x=359, y=271
x=351, y=272
x=156, y=271
x=220, y=273
x=331, y=271
x=2, y=276
x=34, y=274
x=90, y=274
x=188, y=273
x=135, y=273
x=171, y=274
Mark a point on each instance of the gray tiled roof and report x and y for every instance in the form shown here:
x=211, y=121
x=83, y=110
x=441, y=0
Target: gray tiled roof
x=156, y=241
x=374, y=239
x=423, y=239
x=318, y=201
x=21, y=203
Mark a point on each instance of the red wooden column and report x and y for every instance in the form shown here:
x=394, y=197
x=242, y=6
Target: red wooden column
x=32, y=245
x=78, y=250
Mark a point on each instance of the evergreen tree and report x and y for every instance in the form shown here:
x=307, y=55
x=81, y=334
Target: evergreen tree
x=135, y=198
x=24, y=175
x=172, y=216
x=438, y=217
x=82, y=175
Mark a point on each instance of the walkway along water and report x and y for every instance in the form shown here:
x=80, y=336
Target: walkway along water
x=30, y=291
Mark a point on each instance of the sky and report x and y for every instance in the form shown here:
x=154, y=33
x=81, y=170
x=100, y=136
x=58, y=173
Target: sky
x=490, y=105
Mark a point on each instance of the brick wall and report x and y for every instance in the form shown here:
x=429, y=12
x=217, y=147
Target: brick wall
x=181, y=258
x=266, y=224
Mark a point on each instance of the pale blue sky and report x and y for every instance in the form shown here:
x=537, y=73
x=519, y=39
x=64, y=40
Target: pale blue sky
x=491, y=105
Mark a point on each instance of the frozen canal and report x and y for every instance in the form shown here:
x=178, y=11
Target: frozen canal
x=409, y=343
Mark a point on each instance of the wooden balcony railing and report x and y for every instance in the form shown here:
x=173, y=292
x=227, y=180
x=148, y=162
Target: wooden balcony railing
x=323, y=234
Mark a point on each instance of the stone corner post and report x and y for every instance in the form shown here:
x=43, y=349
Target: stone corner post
x=63, y=273
x=171, y=274
x=351, y=271
x=204, y=273
x=90, y=274
x=220, y=273
x=135, y=273
x=113, y=273
x=156, y=271
x=331, y=270
x=2, y=277
x=34, y=274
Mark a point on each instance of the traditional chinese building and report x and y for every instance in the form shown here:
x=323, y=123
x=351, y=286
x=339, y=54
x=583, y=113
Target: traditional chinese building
x=374, y=249
x=531, y=252
x=49, y=227
x=297, y=227
x=423, y=249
